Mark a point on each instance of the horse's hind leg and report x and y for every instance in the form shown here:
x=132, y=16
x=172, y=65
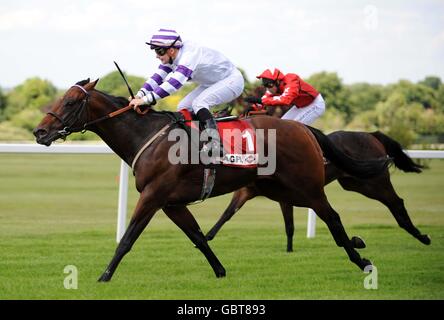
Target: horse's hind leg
x=381, y=189
x=333, y=221
x=183, y=218
x=287, y=212
x=143, y=213
x=239, y=198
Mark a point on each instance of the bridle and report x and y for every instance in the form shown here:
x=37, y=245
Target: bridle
x=77, y=115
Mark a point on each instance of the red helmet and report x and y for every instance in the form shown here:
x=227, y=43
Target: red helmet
x=274, y=75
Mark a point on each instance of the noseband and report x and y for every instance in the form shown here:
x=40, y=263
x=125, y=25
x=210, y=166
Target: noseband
x=67, y=128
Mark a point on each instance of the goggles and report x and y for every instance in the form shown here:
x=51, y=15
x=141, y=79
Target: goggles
x=162, y=50
x=268, y=83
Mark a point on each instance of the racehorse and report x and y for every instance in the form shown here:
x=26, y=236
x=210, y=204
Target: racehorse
x=298, y=179
x=359, y=145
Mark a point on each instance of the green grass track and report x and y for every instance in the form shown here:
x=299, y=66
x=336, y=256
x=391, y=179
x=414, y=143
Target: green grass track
x=59, y=210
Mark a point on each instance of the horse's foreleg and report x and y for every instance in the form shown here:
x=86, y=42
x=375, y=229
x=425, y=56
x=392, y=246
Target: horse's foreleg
x=239, y=198
x=333, y=221
x=399, y=211
x=143, y=213
x=183, y=218
x=287, y=212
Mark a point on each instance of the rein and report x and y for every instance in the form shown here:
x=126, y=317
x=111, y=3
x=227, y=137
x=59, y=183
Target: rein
x=68, y=129
x=75, y=116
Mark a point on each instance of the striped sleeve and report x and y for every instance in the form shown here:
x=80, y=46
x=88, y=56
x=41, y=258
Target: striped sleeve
x=156, y=79
x=178, y=78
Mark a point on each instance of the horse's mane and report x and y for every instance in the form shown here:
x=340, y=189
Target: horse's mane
x=120, y=101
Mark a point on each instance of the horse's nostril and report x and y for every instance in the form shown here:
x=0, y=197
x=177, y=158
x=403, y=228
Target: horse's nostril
x=38, y=132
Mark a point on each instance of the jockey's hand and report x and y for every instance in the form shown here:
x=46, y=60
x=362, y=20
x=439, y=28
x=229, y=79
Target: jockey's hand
x=252, y=99
x=254, y=107
x=137, y=102
x=257, y=107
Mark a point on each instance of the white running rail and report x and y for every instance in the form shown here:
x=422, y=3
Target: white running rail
x=84, y=149
x=123, y=183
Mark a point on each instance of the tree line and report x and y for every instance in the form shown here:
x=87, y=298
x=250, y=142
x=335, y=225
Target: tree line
x=409, y=112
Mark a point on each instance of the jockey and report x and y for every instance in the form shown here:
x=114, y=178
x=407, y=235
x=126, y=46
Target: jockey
x=219, y=81
x=290, y=90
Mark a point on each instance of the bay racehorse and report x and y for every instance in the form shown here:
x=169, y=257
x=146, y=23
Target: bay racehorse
x=359, y=145
x=298, y=179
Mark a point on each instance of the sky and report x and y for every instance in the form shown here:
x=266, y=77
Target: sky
x=363, y=41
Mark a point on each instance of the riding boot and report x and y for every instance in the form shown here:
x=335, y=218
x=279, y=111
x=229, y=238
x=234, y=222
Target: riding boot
x=211, y=150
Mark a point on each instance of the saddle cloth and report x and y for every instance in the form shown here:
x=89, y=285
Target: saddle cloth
x=238, y=139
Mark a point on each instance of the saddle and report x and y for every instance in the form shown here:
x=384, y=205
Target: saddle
x=238, y=142
x=237, y=136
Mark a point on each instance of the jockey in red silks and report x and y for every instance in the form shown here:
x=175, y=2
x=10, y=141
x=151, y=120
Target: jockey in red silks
x=290, y=90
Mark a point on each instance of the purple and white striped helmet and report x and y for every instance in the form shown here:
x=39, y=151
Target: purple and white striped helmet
x=165, y=38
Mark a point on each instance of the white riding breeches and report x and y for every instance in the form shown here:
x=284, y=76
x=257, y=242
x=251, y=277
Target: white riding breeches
x=223, y=91
x=308, y=114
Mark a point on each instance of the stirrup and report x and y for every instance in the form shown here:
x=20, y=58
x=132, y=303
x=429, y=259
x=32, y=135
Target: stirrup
x=210, y=153
x=213, y=146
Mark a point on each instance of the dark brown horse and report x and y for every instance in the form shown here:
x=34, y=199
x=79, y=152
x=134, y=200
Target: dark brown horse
x=359, y=145
x=298, y=179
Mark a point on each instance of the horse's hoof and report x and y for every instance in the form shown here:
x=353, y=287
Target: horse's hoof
x=424, y=238
x=221, y=273
x=358, y=243
x=366, y=265
x=105, y=277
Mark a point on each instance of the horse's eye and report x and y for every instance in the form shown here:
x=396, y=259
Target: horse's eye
x=69, y=103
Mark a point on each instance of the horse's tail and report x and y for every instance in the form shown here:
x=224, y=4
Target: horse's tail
x=358, y=168
x=400, y=158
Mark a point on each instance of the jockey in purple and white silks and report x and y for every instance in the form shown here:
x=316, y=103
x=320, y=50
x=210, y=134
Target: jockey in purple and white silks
x=219, y=81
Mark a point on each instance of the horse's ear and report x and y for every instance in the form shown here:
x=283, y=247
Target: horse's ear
x=83, y=82
x=91, y=85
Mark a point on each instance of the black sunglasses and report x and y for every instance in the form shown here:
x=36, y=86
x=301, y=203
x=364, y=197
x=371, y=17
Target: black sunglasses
x=267, y=83
x=162, y=50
